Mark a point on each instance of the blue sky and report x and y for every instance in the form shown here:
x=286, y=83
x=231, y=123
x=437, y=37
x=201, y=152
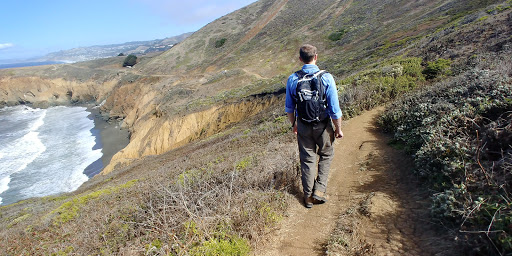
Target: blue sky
x=30, y=28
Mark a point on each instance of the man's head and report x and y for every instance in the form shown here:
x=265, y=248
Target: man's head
x=307, y=54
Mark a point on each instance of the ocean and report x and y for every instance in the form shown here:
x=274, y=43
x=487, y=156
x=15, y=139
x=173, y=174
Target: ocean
x=45, y=151
x=29, y=64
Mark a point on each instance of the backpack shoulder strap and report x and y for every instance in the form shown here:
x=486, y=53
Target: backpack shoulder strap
x=300, y=74
x=321, y=87
x=319, y=74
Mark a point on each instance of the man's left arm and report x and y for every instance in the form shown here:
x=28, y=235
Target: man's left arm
x=333, y=104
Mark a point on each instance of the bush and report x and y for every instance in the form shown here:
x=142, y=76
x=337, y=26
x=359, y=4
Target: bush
x=438, y=68
x=234, y=246
x=335, y=36
x=130, y=60
x=219, y=43
x=460, y=133
x=385, y=82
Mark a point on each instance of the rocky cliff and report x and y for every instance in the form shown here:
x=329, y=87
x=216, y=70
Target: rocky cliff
x=50, y=92
x=156, y=134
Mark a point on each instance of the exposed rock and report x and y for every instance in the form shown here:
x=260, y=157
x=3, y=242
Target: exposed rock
x=159, y=134
x=47, y=92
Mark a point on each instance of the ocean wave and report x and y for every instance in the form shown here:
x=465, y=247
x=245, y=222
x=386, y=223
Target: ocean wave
x=70, y=150
x=17, y=154
x=4, y=185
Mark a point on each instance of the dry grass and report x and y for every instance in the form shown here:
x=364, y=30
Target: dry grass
x=223, y=193
x=346, y=238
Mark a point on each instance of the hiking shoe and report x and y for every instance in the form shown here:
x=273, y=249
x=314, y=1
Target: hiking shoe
x=308, y=201
x=321, y=197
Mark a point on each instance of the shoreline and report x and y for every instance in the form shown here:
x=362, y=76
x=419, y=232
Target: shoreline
x=109, y=137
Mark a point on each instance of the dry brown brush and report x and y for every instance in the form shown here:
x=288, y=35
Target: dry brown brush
x=218, y=196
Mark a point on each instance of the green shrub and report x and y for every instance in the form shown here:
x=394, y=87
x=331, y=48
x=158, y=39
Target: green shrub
x=219, y=43
x=244, y=163
x=483, y=18
x=153, y=246
x=385, y=82
x=68, y=251
x=500, y=8
x=234, y=246
x=335, y=36
x=130, y=60
x=70, y=209
x=438, y=68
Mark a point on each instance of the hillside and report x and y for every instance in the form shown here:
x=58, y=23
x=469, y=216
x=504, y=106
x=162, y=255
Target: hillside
x=208, y=130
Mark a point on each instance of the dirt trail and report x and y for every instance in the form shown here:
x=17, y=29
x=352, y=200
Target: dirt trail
x=397, y=221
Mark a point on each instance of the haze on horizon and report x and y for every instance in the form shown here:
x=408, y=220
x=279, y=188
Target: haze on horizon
x=34, y=28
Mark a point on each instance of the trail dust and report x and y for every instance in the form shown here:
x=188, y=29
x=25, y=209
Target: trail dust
x=365, y=170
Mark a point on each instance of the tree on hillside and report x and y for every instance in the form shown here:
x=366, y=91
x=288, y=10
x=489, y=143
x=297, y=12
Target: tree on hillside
x=121, y=54
x=220, y=43
x=130, y=60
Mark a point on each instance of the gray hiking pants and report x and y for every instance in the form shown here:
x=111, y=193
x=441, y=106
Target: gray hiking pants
x=315, y=139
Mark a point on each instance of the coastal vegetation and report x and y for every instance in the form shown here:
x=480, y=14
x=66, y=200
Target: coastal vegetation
x=460, y=132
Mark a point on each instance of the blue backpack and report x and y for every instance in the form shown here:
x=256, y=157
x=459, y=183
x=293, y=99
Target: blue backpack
x=310, y=97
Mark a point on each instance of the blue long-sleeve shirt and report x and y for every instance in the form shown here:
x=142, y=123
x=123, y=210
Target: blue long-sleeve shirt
x=333, y=105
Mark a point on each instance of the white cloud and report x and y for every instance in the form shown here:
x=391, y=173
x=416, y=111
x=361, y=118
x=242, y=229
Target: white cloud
x=6, y=45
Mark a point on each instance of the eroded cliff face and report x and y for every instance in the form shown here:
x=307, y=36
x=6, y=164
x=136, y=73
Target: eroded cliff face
x=154, y=134
x=137, y=104
x=42, y=92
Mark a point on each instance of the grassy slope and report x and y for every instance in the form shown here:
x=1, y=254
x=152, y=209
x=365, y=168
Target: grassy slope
x=157, y=219
x=261, y=44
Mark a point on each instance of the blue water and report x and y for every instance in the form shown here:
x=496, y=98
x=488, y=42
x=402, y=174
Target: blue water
x=44, y=151
x=29, y=64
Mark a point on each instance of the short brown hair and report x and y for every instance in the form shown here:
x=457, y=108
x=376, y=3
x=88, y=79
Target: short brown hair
x=307, y=53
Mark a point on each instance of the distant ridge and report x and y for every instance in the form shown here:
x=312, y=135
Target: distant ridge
x=105, y=51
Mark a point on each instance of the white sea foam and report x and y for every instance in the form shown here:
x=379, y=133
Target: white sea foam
x=18, y=153
x=61, y=148
x=4, y=185
x=60, y=169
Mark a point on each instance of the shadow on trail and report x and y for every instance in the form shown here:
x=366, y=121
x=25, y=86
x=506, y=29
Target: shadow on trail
x=398, y=214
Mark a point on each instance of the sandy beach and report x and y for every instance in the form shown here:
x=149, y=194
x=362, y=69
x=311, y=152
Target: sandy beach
x=109, y=137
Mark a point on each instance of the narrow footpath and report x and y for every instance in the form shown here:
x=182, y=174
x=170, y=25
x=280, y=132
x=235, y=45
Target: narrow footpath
x=392, y=215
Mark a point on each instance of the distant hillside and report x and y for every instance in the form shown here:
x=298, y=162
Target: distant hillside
x=105, y=51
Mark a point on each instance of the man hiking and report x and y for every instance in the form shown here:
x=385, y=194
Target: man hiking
x=311, y=103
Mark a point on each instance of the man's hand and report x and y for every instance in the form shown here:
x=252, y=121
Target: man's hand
x=291, y=117
x=338, y=134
